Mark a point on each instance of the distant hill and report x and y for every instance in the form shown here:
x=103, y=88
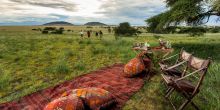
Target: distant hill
x=58, y=23
x=95, y=24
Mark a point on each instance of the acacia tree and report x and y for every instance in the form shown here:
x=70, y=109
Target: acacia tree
x=191, y=12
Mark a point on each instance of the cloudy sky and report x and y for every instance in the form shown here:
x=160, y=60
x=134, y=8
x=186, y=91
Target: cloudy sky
x=35, y=12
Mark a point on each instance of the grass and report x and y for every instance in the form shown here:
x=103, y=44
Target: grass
x=4, y=79
x=31, y=61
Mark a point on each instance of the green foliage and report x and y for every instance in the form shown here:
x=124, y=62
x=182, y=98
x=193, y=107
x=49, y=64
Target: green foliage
x=4, y=79
x=192, y=12
x=38, y=29
x=156, y=36
x=193, y=31
x=153, y=23
x=53, y=30
x=125, y=29
x=89, y=27
x=45, y=32
x=214, y=30
x=186, y=10
x=216, y=6
x=79, y=65
x=158, y=23
x=49, y=28
x=210, y=90
x=62, y=67
x=68, y=52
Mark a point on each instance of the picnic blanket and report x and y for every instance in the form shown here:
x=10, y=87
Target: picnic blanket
x=107, y=78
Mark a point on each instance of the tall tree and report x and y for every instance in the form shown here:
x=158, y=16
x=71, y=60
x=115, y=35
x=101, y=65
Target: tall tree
x=191, y=12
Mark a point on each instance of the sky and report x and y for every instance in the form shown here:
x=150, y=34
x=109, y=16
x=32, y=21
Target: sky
x=37, y=12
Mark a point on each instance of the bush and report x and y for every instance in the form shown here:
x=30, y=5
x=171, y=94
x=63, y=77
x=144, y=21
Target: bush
x=69, y=30
x=45, y=32
x=125, y=29
x=215, y=30
x=50, y=28
x=157, y=36
x=58, y=31
x=53, y=30
x=195, y=31
x=89, y=27
x=38, y=29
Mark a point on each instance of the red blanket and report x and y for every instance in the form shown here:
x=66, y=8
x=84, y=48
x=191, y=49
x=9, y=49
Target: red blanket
x=108, y=78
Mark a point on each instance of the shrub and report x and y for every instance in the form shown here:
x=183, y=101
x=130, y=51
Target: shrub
x=50, y=28
x=157, y=36
x=125, y=29
x=215, y=30
x=60, y=30
x=45, y=32
x=89, y=27
x=69, y=30
x=53, y=30
x=38, y=29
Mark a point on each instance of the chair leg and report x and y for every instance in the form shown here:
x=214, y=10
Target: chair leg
x=169, y=92
x=147, y=75
x=184, y=104
x=194, y=105
x=168, y=89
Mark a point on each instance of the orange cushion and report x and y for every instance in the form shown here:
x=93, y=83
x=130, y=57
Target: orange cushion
x=94, y=98
x=133, y=67
x=66, y=103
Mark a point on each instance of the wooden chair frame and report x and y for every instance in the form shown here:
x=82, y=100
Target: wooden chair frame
x=202, y=70
x=183, y=58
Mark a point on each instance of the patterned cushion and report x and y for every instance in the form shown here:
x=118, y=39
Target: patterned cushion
x=133, y=67
x=66, y=103
x=94, y=98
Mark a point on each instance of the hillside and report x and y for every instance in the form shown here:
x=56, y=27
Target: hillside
x=58, y=23
x=95, y=24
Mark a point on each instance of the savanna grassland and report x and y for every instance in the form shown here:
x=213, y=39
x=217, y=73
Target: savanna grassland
x=31, y=61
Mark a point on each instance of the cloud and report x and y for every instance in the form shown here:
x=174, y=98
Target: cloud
x=117, y=11
x=80, y=11
x=68, y=6
x=133, y=11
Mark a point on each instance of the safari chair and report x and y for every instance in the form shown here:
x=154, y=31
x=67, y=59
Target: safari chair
x=188, y=85
x=178, y=67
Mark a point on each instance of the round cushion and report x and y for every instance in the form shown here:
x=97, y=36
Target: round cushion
x=94, y=98
x=66, y=103
x=134, y=67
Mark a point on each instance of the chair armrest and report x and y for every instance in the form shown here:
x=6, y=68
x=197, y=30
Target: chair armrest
x=169, y=57
x=189, y=75
x=176, y=65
